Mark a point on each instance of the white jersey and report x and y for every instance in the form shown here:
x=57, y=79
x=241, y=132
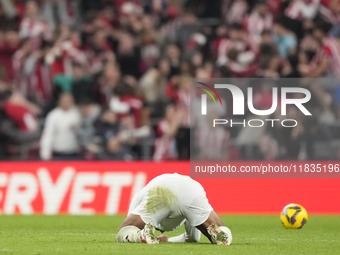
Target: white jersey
x=169, y=200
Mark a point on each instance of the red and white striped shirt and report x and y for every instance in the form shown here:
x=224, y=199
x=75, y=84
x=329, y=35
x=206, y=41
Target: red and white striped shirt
x=237, y=68
x=212, y=144
x=255, y=24
x=184, y=103
x=241, y=46
x=330, y=49
x=21, y=82
x=164, y=145
x=236, y=13
x=61, y=56
x=35, y=30
x=305, y=9
x=36, y=84
x=328, y=15
x=182, y=99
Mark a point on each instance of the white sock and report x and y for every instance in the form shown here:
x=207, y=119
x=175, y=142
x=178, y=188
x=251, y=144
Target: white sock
x=128, y=234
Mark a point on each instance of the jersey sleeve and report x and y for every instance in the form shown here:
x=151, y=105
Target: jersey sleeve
x=326, y=51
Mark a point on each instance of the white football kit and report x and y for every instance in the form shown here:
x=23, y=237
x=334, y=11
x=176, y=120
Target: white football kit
x=170, y=200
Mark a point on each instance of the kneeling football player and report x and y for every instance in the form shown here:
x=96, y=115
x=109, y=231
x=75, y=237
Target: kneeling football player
x=167, y=202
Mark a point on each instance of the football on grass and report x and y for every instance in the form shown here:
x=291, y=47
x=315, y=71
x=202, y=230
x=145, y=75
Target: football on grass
x=294, y=216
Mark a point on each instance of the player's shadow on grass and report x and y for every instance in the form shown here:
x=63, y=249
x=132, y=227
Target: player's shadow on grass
x=233, y=244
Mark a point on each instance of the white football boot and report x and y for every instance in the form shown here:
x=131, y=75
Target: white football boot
x=217, y=235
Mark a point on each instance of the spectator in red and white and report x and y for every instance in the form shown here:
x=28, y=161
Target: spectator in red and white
x=9, y=43
x=178, y=90
x=326, y=63
x=237, y=52
x=275, y=7
x=327, y=59
x=19, y=110
x=330, y=11
x=59, y=139
x=129, y=8
x=213, y=142
x=302, y=9
x=168, y=30
x=196, y=42
x=65, y=51
x=258, y=20
x=125, y=101
x=21, y=80
x=165, y=147
x=32, y=76
x=18, y=125
x=33, y=27
x=98, y=51
x=236, y=12
x=127, y=104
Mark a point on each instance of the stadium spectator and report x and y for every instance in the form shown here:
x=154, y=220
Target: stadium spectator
x=79, y=84
x=166, y=131
x=59, y=138
x=90, y=113
x=258, y=20
x=123, y=61
x=284, y=39
x=19, y=129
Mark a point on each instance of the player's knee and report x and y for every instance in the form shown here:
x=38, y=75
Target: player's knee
x=196, y=238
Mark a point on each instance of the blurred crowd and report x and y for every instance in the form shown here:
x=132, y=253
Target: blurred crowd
x=110, y=79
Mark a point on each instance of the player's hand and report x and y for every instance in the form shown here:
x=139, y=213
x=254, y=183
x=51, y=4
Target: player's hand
x=162, y=238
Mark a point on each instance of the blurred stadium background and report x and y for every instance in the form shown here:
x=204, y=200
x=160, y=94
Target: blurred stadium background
x=107, y=80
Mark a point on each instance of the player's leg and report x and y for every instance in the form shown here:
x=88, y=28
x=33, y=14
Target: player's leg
x=132, y=220
x=214, y=229
x=148, y=213
x=200, y=214
x=191, y=234
x=134, y=230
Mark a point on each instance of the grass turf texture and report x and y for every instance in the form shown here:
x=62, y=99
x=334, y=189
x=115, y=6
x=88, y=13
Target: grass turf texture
x=95, y=235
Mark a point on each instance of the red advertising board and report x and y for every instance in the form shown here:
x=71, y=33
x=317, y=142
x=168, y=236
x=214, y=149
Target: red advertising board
x=107, y=188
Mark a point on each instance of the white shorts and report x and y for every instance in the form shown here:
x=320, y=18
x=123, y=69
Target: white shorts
x=170, y=199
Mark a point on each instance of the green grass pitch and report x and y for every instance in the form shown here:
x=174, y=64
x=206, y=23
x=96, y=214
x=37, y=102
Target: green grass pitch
x=75, y=235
